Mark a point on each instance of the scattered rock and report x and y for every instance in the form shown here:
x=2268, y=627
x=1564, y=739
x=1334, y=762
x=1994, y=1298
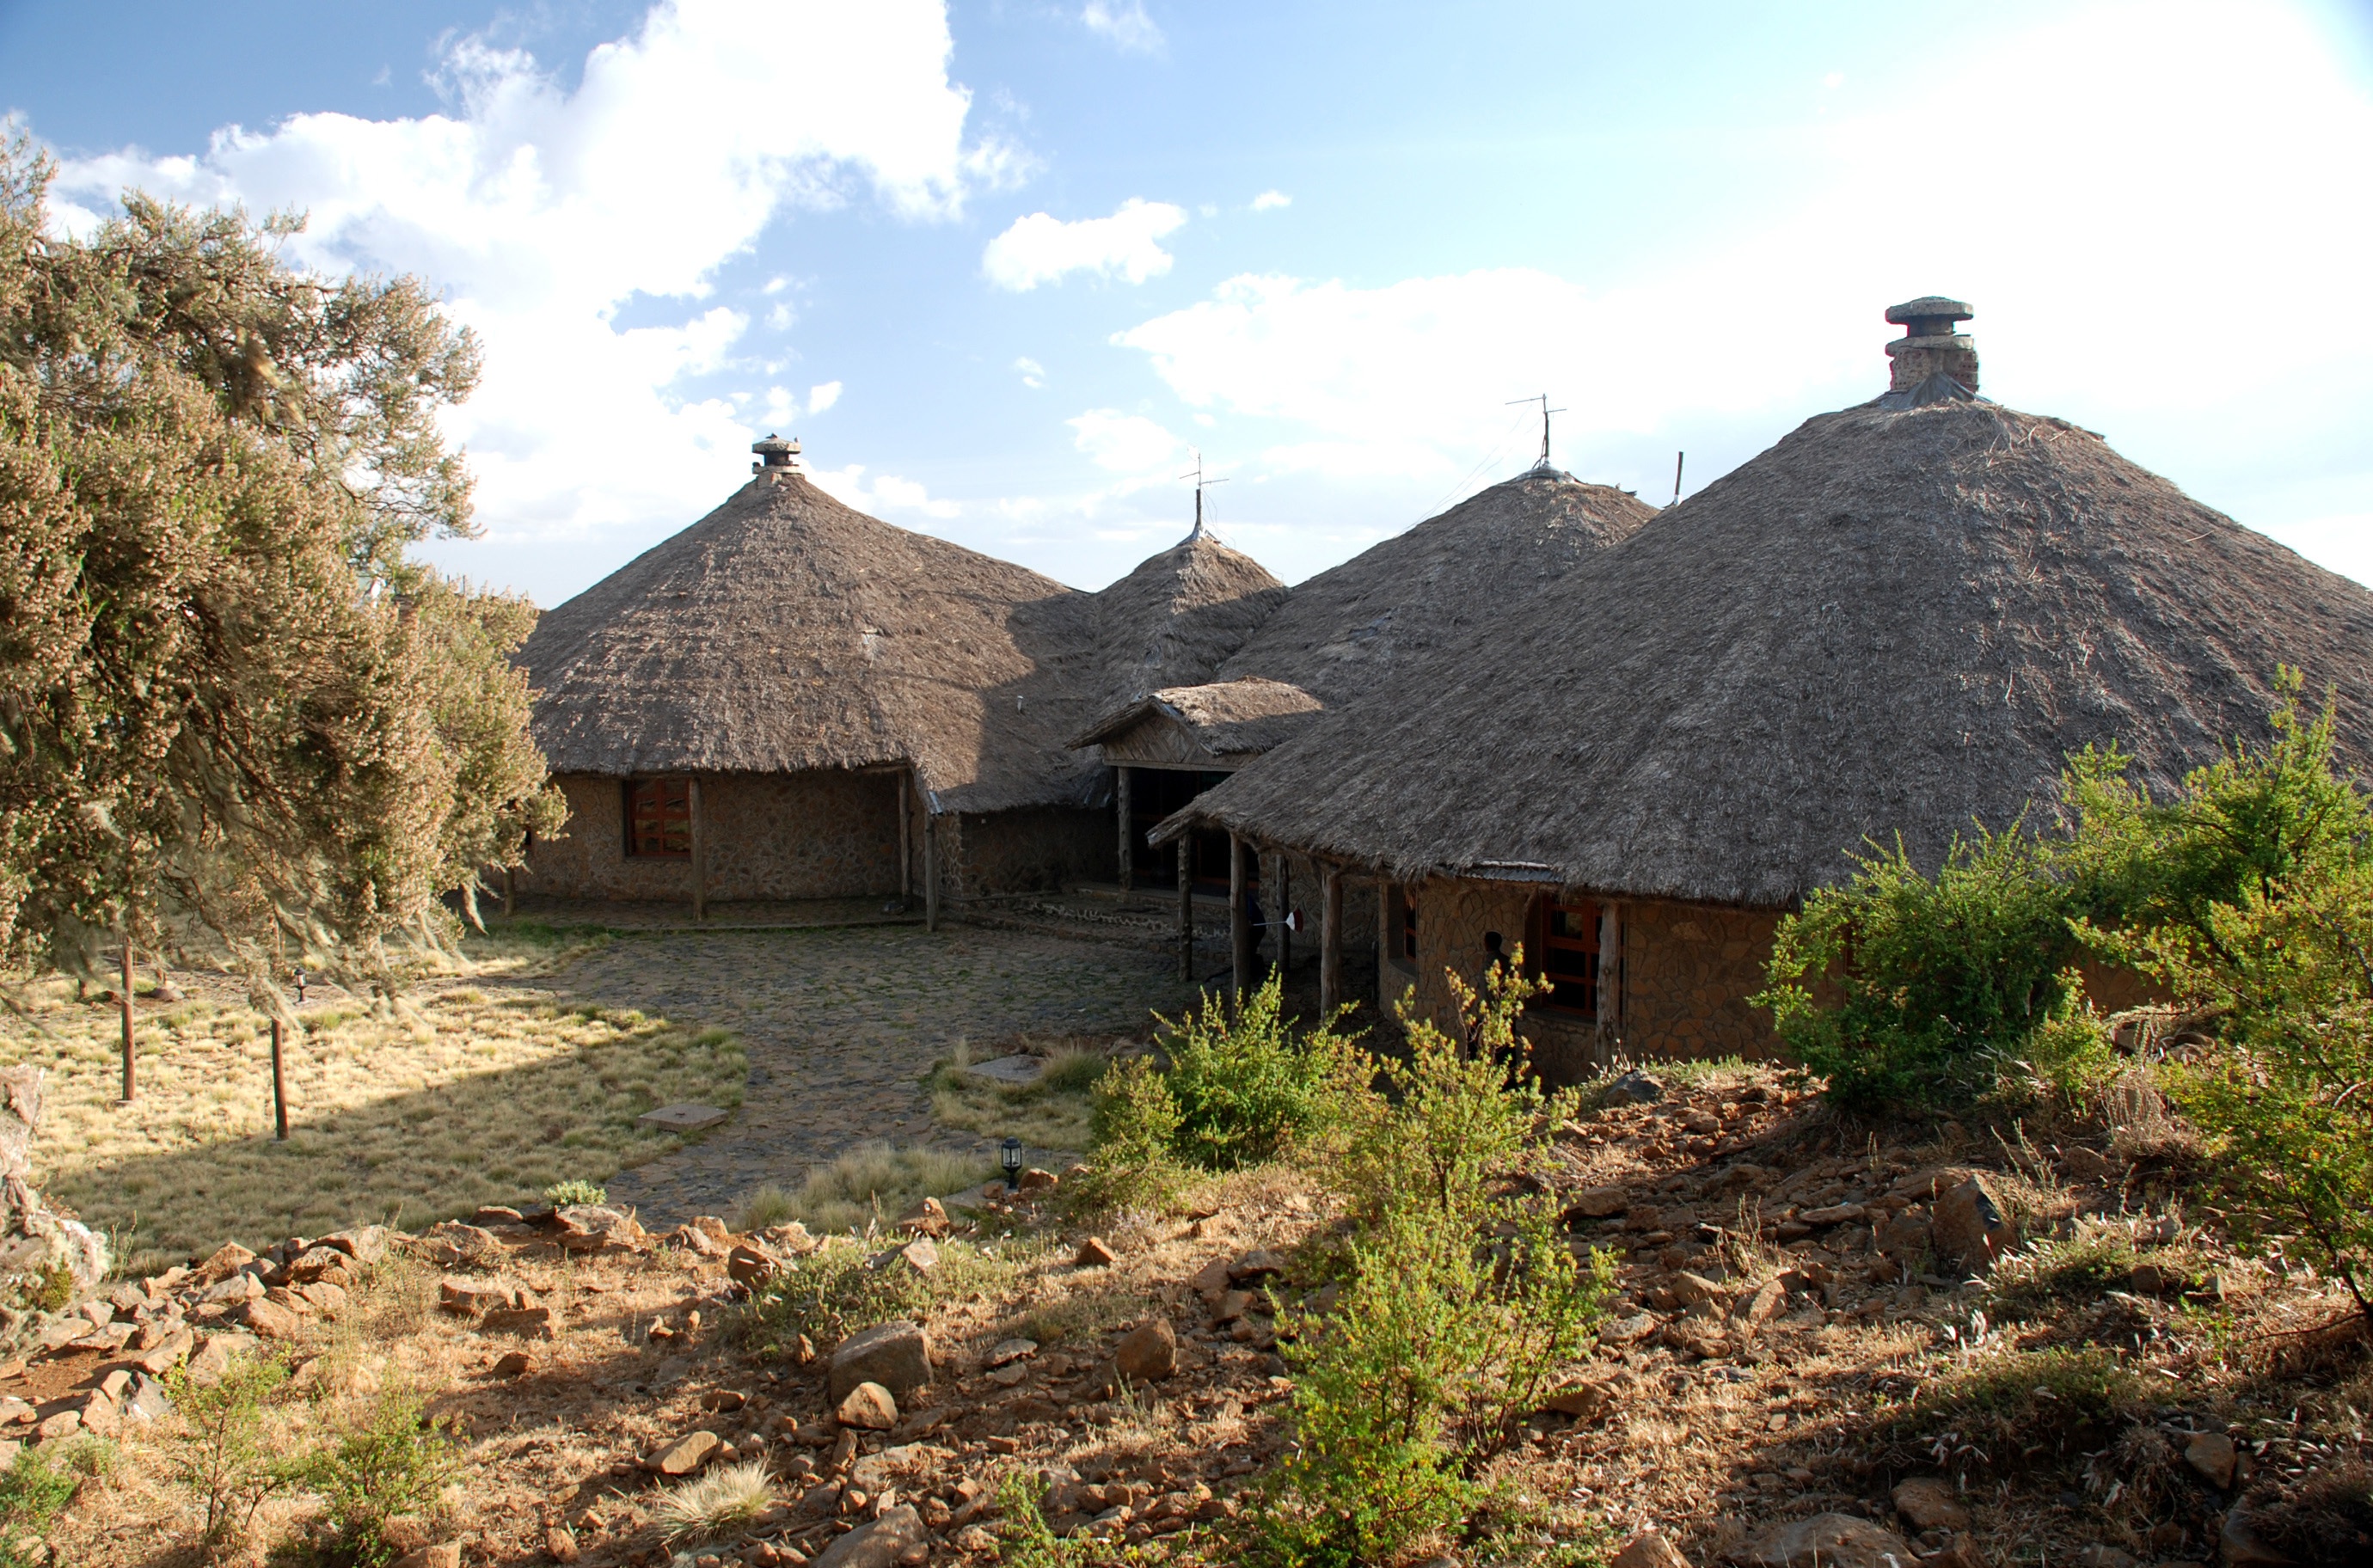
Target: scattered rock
x=65, y=1424
x=929, y=1218
x=559, y=1545
x=467, y=1298
x=1649, y=1548
x=868, y=1406
x=530, y=1322
x=685, y=1454
x=1694, y=1290
x=2244, y=1547
x=920, y=1254
x=454, y=1244
x=1148, y=1352
x=1581, y=1401
x=444, y=1555
x=1971, y=1228
x=724, y=1400
x=1825, y=1540
x=1962, y=1552
x=229, y=1259
x=365, y=1244
x=896, y=1354
x=1754, y=1311
x=748, y=1265
x=589, y=1227
x=270, y=1320
x=1210, y=1281
x=885, y=1543
x=214, y=1357
x=1835, y=1214
x=1257, y=1263
x=514, y=1363
x=1008, y=1350
x=1092, y=1254
x=2214, y=1455
x=2099, y=1556
x=1634, y=1088
x=1035, y=1180
x=1928, y=1503
x=1597, y=1203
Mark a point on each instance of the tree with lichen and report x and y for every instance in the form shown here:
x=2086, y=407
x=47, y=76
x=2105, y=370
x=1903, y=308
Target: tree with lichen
x=234, y=717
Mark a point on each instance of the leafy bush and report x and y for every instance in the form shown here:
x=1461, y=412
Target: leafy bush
x=2009, y=1410
x=1025, y=1541
x=395, y=1462
x=1244, y=1087
x=1133, y=1129
x=561, y=1194
x=221, y=1452
x=1463, y=1302
x=845, y=1285
x=32, y=1490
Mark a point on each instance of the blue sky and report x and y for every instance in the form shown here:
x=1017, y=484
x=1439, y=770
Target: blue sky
x=1002, y=266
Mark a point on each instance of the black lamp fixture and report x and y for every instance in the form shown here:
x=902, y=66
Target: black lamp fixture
x=300, y=986
x=1009, y=1155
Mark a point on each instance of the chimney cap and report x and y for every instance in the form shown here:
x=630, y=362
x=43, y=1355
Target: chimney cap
x=1927, y=307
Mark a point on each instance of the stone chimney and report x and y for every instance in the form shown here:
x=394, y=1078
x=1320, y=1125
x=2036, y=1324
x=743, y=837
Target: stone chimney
x=1930, y=347
x=777, y=456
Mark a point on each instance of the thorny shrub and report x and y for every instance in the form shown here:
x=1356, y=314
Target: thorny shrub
x=32, y=1490
x=1244, y=1087
x=391, y=1464
x=221, y=1450
x=852, y=1282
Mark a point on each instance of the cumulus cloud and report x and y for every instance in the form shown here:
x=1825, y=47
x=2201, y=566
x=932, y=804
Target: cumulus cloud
x=1032, y=373
x=2085, y=304
x=885, y=494
x=1042, y=249
x=1126, y=25
x=1126, y=443
x=543, y=212
x=1269, y=199
x=823, y=397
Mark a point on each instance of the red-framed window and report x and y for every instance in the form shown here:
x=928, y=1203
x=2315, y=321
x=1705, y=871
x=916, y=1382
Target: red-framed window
x=1569, y=957
x=658, y=818
x=1408, y=926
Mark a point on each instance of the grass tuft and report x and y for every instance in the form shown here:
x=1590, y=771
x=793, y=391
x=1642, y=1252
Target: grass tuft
x=709, y=1504
x=1050, y=1112
x=875, y=1182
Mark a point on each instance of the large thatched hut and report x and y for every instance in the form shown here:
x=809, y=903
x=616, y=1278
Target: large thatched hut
x=1900, y=619
x=791, y=700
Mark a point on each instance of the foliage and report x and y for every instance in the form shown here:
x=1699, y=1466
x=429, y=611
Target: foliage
x=1463, y=1299
x=394, y=1463
x=1049, y=1111
x=1025, y=1541
x=846, y=1285
x=32, y=1490
x=237, y=718
x=2010, y=1408
x=563, y=1194
x=874, y=1182
x=1244, y=1087
x=714, y=1502
x=1133, y=1130
x=221, y=1450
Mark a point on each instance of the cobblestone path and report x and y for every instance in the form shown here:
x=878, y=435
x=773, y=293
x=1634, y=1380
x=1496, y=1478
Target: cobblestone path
x=841, y=1025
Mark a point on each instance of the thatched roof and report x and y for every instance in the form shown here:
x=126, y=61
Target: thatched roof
x=1225, y=719
x=1894, y=619
x=785, y=631
x=1172, y=621
x=1346, y=629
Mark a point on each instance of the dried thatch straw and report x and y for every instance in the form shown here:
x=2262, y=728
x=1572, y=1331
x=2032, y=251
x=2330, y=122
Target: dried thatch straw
x=1225, y=718
x=1172, y=620
x=785, y=631
x=1346, y=629
x=1891, y=621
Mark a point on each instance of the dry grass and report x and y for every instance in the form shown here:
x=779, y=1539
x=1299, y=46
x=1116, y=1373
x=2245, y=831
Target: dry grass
x=872, y=1183
x=411, y=1114
x=710, y=1504
x=1051, y=1112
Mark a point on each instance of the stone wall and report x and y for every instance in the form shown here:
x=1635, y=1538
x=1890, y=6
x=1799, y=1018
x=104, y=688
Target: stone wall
x=819, y=834
x=1035, y=849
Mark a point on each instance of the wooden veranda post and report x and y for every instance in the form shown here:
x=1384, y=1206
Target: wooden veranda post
x=905, y=833
x=1610, y=975
x=1187, y=906
x=279, y=1089
x=1280, y=908
x=1330, y=941
x=931, y=871
x=1240, y=920
x=699, y=849
x=1128, y=859
x=126, y=996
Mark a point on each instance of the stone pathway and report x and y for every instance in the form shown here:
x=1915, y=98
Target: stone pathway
x=841, y=1025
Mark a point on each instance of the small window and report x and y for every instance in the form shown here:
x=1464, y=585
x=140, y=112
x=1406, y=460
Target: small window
x=1404, y=940
x=1570, y=957
x=658, y=818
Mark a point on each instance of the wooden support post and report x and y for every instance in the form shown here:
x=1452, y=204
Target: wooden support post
x=1384, y=939
x=1610, y=976
x=1330, y=941
x=1240, y=920
x=128, y=1083
x=905, y=833
x=931, y=871
x=1127, y=848
x=279, y=1089
x=1283, y=906
x=1187, y=906
x=699, y=850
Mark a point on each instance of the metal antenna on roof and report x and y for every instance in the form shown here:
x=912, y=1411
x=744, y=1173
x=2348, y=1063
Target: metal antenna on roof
x=1546, y=411
x=1195, y=474
x=1678, y=458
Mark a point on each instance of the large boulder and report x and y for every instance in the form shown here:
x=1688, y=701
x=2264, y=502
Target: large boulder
x=896, y=1354
x=36, y=1241
x=1970, y=1227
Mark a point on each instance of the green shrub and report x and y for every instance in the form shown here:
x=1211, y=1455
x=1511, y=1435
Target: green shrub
x=765, y=1207
x=32, y=1490
x=2013, y=1409
x=395, y=1462
x=1244, y=1087
x=845, y=1285
x=1025, y=1541
x=220, y=1449
x=1133, y=1130
x=561, y=1194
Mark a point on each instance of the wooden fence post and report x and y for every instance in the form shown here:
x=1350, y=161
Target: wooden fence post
x=931, y=871
x=128, y=1083
x=279, y=1089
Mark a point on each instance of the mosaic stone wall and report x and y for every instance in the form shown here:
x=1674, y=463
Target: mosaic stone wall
x=769, y=836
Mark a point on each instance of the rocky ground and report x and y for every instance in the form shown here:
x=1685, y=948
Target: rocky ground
x=1827, y=1342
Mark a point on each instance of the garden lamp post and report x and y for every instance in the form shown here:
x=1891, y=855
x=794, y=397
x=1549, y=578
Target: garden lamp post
x=1009, y=1155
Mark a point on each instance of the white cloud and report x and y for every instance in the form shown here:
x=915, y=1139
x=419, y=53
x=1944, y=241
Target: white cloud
x=1126, y=443
x=823, y=397
x=1032, y=373
x=2124, y=279
x=1269, y=199
x=886, y=494
x=1125, y=24
x=1040, y=249
x=542, y=212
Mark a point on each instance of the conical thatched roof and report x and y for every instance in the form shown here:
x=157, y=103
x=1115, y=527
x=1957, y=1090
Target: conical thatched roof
x=785, y=631
x=1346, y=629
x=1172, y=621
x=1223, y=719
x=1896, y=619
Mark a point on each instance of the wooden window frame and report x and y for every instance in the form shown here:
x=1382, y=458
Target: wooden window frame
x=1576, y=996
x=1402, y=948
x=666, y=802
